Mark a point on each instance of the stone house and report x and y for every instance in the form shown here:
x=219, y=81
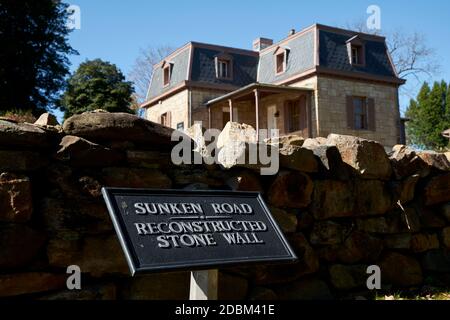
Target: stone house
x=317, y=81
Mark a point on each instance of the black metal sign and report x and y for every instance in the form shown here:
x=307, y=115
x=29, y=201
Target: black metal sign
x=162, y=230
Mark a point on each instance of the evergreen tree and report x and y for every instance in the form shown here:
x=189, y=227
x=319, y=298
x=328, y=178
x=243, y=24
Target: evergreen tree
x=33, y=54
x=97, y=84
x=429, y=117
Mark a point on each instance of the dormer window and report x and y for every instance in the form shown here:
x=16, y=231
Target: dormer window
x=280, y=62
x=281, y=58
x=167, y=72
x=224, y=66
x=356, y=53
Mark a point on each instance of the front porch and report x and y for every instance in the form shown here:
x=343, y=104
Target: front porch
x=265, y=106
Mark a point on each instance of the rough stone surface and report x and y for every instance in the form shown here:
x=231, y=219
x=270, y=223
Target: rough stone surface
x=307, y=264
x=95, y=292
x=358, y=247
x=286, y=220
x=435, y=160
x=328, y=233
x=30, y=282
x=445, y=211
x=234, y=132
x=406, y=162
x=19, y=245
x=46, y=119
x=103, y=126
x=291, y=190
x=396, y=222
x=262, y=294
x=312, y=143
x=400, y=270
x=437, y=190
x=404, y=190
x=231, y=287
x=245, y=181
x=15, y=198
x=429, y=218
x=423, y=242
x=398, y=241
x=437, y=260
x=346, y=277
x=365, y=156
x=332, y=198
x=21, y=161
x=63, y=216
x=286, y=142
x=93, y=255
x=22, y=135
x=148, y=159
x=135, y=178
x=307, y=289
x=195, y=132
x=373, y=197
x=81, y=152
x=298, y=158
x=161, y=286
x=445, y=237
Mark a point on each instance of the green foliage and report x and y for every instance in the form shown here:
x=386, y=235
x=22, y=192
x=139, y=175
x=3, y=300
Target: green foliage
x=429, y=115
x=33, y=54
x=97, y=85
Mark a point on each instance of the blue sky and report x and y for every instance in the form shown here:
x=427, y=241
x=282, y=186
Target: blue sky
x=116, y=30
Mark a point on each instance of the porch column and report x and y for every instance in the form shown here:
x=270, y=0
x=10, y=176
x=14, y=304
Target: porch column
x=257, y=113
x=230, y=104
x=209, y=117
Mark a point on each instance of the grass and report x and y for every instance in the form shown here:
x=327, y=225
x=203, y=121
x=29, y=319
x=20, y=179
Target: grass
x=426, y=293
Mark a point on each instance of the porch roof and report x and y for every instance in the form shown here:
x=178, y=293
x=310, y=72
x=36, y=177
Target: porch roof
x=263, y=88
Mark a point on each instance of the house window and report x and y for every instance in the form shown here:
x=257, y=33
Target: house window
x=166, y=75
x=280, y=62
x=165, y=119
x=360, y=114
x=223, y=68
x=293, y=111
x=180, y=126
x=357, y=54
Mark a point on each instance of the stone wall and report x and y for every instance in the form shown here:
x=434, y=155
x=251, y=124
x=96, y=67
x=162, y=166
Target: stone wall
x=176, y=104
x=331, y=95
x=341, y=201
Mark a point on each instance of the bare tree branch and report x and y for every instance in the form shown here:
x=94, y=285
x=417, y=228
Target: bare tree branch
x=141, y=72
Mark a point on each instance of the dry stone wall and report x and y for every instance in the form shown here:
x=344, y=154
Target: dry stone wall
x=343, y=203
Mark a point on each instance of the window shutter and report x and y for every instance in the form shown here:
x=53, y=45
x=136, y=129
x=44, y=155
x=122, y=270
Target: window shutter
x=371, y=114
x=350, y=112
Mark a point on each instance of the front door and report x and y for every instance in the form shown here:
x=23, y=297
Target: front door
x=296, y=116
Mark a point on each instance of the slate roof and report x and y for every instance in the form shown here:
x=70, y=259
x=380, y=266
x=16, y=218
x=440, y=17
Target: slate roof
x=203, y=67
x=250, y=67
x=333, y=54
x=179, y=74
x=300, y=58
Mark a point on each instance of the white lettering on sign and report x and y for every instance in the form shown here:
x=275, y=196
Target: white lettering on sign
x=190, y=227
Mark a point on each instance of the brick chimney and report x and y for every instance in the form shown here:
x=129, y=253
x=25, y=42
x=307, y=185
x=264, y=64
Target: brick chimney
x=261, y=43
